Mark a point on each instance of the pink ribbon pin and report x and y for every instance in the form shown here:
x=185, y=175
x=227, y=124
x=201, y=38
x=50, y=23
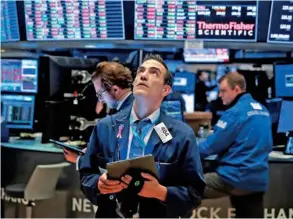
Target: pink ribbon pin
x=120, y=128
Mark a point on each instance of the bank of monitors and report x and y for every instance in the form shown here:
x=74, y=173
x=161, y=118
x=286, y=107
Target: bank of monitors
x=18, y=110
x=74, y=20
x=281, y=22
x=189, y=19
x=9, y=21
x=284, y=79
x=19, y=75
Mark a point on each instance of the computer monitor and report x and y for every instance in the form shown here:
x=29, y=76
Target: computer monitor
x=19, y=75
x=274, y=107
x=284, y=79
x=286, y=118
x=18, y=111
x=9, y=21
x=289, y=146
x=173, y=108
x=184, y=82
x=58, y=75
x=74, y=20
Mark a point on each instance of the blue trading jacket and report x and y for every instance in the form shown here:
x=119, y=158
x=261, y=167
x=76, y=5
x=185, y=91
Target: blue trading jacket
x=242, y=139
x=178, y=164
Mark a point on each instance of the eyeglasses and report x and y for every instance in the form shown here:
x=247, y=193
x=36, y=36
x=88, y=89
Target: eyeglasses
x=99, y=95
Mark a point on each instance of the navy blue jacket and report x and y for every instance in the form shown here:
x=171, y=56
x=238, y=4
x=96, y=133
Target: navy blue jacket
x=179, y=169
x=126, y=105
x=243, y=139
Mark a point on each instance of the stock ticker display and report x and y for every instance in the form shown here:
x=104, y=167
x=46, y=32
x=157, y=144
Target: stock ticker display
x=186, y=19
x=19, y=75
x=9, y=21
x=74, y=19
x=281, y=22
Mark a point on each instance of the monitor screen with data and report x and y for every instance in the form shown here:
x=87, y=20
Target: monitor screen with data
x=281, y=22
x=189, y=19
x=74, y=19
x=9, y=21
x=19, y=75
x=18, y=111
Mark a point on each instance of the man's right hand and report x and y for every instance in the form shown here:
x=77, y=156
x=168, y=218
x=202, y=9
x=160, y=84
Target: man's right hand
x=107, y=186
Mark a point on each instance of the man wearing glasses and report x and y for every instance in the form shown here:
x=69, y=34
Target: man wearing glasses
x=112, y=82
x=180, y=185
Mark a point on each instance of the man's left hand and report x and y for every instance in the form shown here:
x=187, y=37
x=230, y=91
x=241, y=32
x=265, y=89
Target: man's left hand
x=152, y=188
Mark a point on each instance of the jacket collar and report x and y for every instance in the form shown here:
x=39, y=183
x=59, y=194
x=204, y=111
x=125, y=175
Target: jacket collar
x=233, y=103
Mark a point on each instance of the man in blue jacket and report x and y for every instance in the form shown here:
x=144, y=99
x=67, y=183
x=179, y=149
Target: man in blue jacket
x=180, y=185
x=242, y=139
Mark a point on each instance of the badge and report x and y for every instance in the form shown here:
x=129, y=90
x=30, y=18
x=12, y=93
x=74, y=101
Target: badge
x=163, y=132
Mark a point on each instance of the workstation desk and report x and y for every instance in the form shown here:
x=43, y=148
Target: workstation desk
x=20, y=157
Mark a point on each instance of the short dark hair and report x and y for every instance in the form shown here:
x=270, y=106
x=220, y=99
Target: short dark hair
x=168, y=76
x=113, y=73
x=234, y=79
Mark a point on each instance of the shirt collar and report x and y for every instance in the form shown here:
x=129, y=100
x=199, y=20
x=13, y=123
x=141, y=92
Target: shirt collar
x=153, y=117
x=120, y=102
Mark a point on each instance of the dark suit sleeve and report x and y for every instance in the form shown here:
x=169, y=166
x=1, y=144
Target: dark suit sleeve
x=181, y=200
x=89, y=170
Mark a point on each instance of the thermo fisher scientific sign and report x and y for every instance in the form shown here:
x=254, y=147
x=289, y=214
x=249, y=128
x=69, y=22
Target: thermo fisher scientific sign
x=226, y=20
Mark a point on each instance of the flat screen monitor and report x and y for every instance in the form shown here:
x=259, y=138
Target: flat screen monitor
x=289, y=146
x=206, y=55
x=284, y=80
x=281, y=22
x=74, y=20
x=19, y=75
x=274, y=107
x=173, y=108
x=286, y=118
x=59, y=73
x=164, y=20
x=9, y=21
x=184, y=82
x=18, y=111
x=226, y=20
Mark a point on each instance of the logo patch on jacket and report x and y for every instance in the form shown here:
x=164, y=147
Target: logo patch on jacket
x=221, y=124
x=256, y=106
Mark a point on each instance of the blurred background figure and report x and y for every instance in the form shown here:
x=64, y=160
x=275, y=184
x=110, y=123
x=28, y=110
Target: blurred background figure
x=201, y=90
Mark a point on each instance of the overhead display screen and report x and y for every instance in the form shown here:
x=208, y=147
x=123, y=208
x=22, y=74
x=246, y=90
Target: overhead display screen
x=74, y=19
x=9, y=21
x=226, y=20
x=281, y=22
x=205, y=20
x=166, y=20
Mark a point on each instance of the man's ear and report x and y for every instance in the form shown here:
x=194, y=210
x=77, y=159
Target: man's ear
x=166, y=90
x=237, y=89
x=115, y=88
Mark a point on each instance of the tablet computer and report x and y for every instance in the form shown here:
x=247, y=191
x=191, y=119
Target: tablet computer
x=68, y=147
x=145, y=164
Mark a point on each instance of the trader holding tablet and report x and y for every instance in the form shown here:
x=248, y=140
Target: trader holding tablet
x=140, y=131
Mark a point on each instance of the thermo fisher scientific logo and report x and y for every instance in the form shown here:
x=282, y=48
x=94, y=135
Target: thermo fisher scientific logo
x=232, y=29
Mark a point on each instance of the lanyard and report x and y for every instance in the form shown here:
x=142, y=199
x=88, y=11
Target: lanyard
x=144, y=134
